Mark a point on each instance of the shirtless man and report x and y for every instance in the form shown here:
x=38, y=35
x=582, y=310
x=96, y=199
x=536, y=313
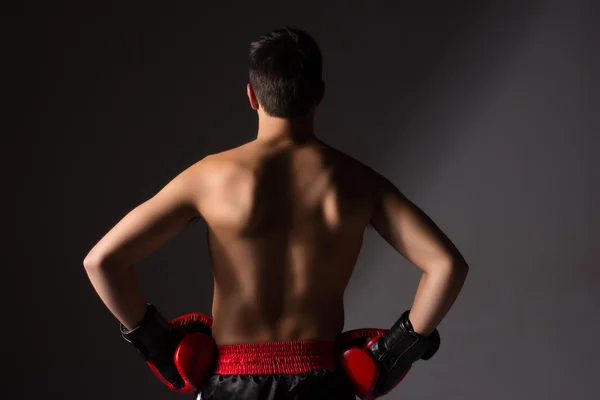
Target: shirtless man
x=286, y=215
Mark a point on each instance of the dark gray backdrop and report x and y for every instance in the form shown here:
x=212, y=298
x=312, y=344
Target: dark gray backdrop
x=485, y=116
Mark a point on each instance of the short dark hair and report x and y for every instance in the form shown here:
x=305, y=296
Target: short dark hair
x=285, y=72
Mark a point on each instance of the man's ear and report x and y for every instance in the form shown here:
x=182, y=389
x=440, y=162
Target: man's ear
x=252, y=97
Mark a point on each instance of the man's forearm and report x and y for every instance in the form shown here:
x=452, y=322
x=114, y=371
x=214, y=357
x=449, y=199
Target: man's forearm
x=435, y=295
x=118, y=288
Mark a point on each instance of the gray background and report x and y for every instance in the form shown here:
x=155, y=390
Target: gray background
x=485, y=116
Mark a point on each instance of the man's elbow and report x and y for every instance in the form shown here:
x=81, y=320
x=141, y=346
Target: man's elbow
x=92, y=260
x=459, y=268
x=97, y=259
x=462, y=269
x=455, y=267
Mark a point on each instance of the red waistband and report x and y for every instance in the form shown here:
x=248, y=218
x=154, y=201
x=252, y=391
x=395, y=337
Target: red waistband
x=294, y=357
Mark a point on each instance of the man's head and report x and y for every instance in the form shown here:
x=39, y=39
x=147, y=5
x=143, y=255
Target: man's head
x=285, y=73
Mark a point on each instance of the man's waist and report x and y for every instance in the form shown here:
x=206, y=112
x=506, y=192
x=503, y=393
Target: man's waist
x=289, y=357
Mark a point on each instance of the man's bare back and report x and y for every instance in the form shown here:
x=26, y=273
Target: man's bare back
x=286, y=223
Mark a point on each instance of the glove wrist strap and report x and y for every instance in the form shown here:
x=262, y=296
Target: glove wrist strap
x=398, y=350
x=152, y=336
x=402, y=346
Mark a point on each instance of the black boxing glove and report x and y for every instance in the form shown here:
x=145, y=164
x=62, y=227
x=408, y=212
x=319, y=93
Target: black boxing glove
x=377, y=360
x=398, y=350
x=180, y=352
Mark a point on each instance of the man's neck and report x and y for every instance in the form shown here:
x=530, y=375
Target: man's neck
x=296, y=130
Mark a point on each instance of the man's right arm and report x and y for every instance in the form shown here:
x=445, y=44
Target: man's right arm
x=414, y=235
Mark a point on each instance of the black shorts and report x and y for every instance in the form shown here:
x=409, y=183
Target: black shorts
x=283, y=370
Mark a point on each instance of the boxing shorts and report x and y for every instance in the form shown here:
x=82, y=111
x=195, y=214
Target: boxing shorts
x=278, y=371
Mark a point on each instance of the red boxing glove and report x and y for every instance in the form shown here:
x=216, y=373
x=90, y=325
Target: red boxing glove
x=358, y=362
x=377, y=360
x=194, y=356
x=180, y=353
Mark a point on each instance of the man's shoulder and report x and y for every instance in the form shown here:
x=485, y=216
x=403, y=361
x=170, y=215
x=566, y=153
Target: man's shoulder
x=218, y=168
x=245, y=159
x=217, y=161
x=352, y=165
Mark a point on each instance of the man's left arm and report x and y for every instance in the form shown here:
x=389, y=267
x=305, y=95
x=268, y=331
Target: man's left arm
x=110, y=263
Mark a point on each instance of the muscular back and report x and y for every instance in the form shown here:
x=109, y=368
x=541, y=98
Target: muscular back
x=286, y=223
